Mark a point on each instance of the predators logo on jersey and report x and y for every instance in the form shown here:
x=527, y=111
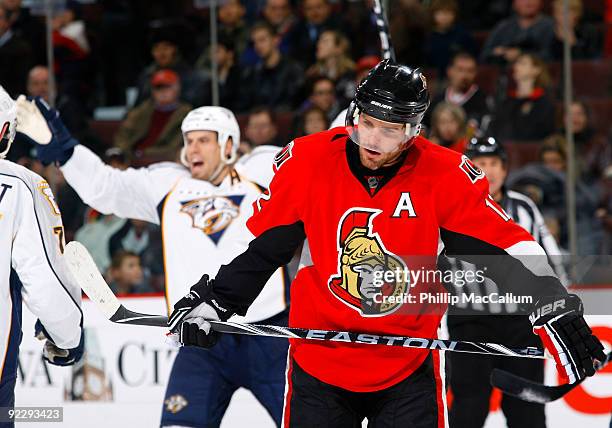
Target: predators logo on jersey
x=44, y=188
x=213, y=214
x=176, y=403
x=362, y=262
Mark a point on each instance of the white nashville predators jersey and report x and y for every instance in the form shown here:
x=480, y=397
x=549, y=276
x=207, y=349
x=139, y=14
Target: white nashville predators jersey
x=203, y=225
x=32, y=268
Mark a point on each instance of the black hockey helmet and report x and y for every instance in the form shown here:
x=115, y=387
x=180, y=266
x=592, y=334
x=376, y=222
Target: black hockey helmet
x=391, y=92
x=485, y=146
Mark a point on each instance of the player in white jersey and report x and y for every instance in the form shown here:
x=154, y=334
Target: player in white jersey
x=202, y=209
x=32, y=269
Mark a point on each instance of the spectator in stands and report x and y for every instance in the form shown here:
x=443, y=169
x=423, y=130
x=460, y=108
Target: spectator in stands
x=71, y=29
x=553, y=153
x=359, y=26
x=333, y=60
x=479, y=15
x=229, y=73
x=134, y=236
x=38, y=82
x=362, y=68
x=37, y=85
x=95, y=235
x=126, y=274
x=153, y=128
x=448, y=127
x=274, y=82
x=322, y=94
x=408, y=28
x=527, y=114
x=463, y=91
x=28, y=28
x=71, y=50
x=73, y=114
x=604, y=212
x=232, y=24
x=544, y=182
x=261, y=128
x=73, y=208
x=15, y=57
x=311, y=121
x=317, y=17
x=166, y=55
x=279, y=14
x=593, y=152
x=583, y=37
x=527, y=31
x=447, y=36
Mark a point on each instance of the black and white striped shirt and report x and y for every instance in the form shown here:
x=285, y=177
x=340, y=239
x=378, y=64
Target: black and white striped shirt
x=526, y=214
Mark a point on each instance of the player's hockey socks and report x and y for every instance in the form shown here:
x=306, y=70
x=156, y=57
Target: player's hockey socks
x=559, y=323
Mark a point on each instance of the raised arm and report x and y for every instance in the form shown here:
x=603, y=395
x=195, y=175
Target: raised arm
x=134, y=193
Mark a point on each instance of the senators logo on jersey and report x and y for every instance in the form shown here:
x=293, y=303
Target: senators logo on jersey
x=283, y=156
x=213, y=214
x=472, y=171
x=362, y=262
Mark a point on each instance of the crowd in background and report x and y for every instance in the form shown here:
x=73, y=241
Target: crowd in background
x=287, y=68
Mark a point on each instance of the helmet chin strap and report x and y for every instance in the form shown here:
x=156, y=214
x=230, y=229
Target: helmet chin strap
x=224, y=161
x=213, y=176
x=5, y=136
x=5, y=152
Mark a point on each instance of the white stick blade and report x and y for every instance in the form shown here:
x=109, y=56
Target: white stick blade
x=86, y=273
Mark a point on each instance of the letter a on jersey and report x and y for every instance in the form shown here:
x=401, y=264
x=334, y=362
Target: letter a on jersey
x=404, y=204
x=362, y=263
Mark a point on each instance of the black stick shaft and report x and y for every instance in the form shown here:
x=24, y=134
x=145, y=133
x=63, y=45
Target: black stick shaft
x=534, y=392
x=376, y=339
x=383, y=31
x=125, y=316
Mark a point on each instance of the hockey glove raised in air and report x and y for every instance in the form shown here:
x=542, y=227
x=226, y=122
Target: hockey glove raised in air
x=42, y=125
x=190, y=316
x=55, y=355
x=559, y=322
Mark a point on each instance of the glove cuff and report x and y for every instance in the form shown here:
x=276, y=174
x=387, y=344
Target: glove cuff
x=224, y=311
x=549, y=307
x=67, y=153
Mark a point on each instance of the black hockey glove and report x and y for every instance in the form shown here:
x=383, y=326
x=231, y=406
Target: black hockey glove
x=565, y=334
x=55, y=355
x=190, y=315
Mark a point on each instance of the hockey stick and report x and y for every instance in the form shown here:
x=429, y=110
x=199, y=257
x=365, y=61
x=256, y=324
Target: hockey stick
x=382, y=25
x=528, y=390
x=85, y=271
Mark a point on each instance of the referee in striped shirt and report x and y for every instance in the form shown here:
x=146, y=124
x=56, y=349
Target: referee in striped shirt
x=469, y=374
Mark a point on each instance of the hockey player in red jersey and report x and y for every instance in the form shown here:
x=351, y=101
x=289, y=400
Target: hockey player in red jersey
x=375, y=197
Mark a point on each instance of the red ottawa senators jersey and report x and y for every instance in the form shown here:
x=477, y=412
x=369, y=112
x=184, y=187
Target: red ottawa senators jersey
x=354, y=234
